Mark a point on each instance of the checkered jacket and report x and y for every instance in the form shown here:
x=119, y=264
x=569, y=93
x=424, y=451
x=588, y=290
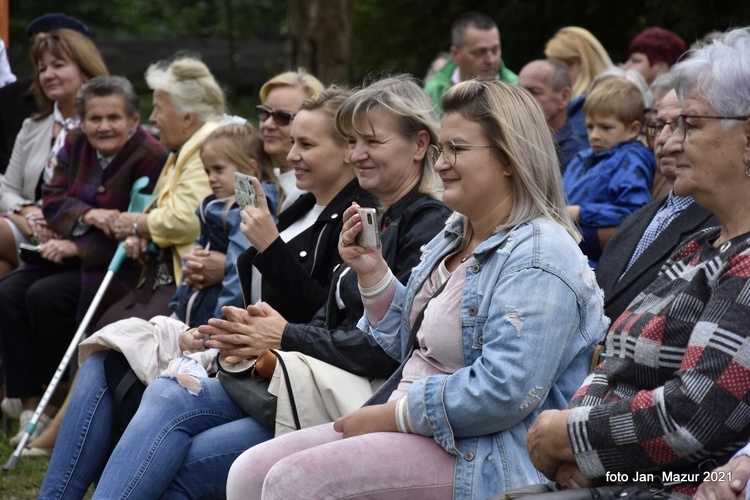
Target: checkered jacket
x=674, y=389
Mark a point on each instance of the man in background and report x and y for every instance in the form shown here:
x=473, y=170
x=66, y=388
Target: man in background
x=475, y=52
x=549, y=82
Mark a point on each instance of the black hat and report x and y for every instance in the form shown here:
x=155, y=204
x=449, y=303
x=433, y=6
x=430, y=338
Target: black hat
x=49, y=22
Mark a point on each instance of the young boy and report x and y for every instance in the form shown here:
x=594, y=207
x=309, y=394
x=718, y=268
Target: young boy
x=610, y=180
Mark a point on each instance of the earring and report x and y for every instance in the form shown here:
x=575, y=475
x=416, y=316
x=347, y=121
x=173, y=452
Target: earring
x=747, y=167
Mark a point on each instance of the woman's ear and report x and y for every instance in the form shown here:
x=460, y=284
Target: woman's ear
x=422, y=142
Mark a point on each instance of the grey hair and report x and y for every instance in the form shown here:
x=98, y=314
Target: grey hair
x=105, y=86
x=190, y=85
x=719, y=72
x=402, y=97
x=560, y=75
x=469, y=20
x=661, y=85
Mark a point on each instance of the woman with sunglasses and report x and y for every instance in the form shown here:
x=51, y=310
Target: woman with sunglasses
x=281, y=98
x=672, y=393
x=502, y=313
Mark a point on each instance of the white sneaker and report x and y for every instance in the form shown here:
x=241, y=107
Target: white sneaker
x=12, y=408
x=24, y=420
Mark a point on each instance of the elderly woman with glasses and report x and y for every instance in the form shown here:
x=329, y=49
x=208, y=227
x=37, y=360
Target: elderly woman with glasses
x=497, y=323
x=672, y=394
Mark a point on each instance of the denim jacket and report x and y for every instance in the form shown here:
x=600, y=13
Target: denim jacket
x=531, y=314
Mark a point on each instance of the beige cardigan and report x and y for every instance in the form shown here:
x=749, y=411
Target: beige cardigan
x=30, y=154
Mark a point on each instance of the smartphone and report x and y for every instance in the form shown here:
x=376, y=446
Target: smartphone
x=244, y=190
x=369, y=237
x=29, y=253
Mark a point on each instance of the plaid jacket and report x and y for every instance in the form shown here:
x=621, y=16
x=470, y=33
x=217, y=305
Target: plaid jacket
x=79, y=184
x=674, y=389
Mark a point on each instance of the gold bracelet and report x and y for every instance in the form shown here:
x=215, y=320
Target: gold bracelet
x=135, y=226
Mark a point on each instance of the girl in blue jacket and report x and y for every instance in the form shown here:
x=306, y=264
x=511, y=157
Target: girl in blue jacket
x=235, y=147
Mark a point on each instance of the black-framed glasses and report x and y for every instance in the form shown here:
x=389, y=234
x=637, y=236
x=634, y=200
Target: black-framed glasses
x=449, y=150
x=281, y=118
x=683, y=125
x=654, y=129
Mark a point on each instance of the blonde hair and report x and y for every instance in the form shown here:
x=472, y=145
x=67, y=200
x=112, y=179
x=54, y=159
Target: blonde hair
x=401, y=97
x=328, y=101
x=241, y=143
x=68, y=45
x=300, y=79
x=616, y=97
x=190, y=85
x=574, y=43
x=515, y=125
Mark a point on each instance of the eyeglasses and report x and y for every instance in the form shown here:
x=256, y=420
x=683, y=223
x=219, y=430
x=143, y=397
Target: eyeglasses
x=281, y=118
x=654, y=129
x=449, y=150
x=683, y=125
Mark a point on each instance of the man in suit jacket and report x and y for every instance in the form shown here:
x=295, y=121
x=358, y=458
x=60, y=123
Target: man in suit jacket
x=635, y=254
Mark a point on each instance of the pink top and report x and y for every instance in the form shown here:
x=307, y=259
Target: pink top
x=440, y=343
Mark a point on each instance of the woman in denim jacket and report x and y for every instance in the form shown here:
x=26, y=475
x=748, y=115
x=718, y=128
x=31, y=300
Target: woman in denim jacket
x=530, y=315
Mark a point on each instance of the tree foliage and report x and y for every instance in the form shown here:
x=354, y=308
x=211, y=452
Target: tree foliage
x=390, y=35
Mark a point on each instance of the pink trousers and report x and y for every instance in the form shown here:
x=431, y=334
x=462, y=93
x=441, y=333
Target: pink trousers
x=318, y=463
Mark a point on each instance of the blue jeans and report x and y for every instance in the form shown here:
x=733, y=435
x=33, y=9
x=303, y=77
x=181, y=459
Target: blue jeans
x=85, y=439
x=180, y=444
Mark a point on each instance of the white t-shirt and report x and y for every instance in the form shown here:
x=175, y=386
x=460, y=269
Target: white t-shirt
x=288, y=184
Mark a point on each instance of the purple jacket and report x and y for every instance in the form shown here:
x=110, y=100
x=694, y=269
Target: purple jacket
x=80, y=184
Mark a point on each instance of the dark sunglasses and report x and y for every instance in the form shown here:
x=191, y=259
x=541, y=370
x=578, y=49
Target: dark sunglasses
x=281, y=118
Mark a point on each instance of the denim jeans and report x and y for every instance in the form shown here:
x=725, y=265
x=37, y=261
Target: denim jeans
x=85, y=439
x=180, y=444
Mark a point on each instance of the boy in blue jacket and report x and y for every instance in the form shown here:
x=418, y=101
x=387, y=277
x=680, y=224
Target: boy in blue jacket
x=610, y=180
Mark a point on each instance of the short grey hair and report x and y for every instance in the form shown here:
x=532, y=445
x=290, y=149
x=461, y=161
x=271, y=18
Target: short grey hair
x=560, y=75
x=719, y=72
x=661, y=85
x=105, y=86
x=469, y=20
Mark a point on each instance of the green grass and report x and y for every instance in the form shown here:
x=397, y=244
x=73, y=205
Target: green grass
x=25, y=480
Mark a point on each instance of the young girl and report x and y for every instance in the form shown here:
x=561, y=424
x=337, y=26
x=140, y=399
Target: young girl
x=229, y=149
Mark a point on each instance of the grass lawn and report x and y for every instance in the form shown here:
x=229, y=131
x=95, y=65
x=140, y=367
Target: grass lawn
x=25, y=480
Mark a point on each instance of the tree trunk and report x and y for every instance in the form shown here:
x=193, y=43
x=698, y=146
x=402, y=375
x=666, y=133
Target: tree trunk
x=319, y=38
